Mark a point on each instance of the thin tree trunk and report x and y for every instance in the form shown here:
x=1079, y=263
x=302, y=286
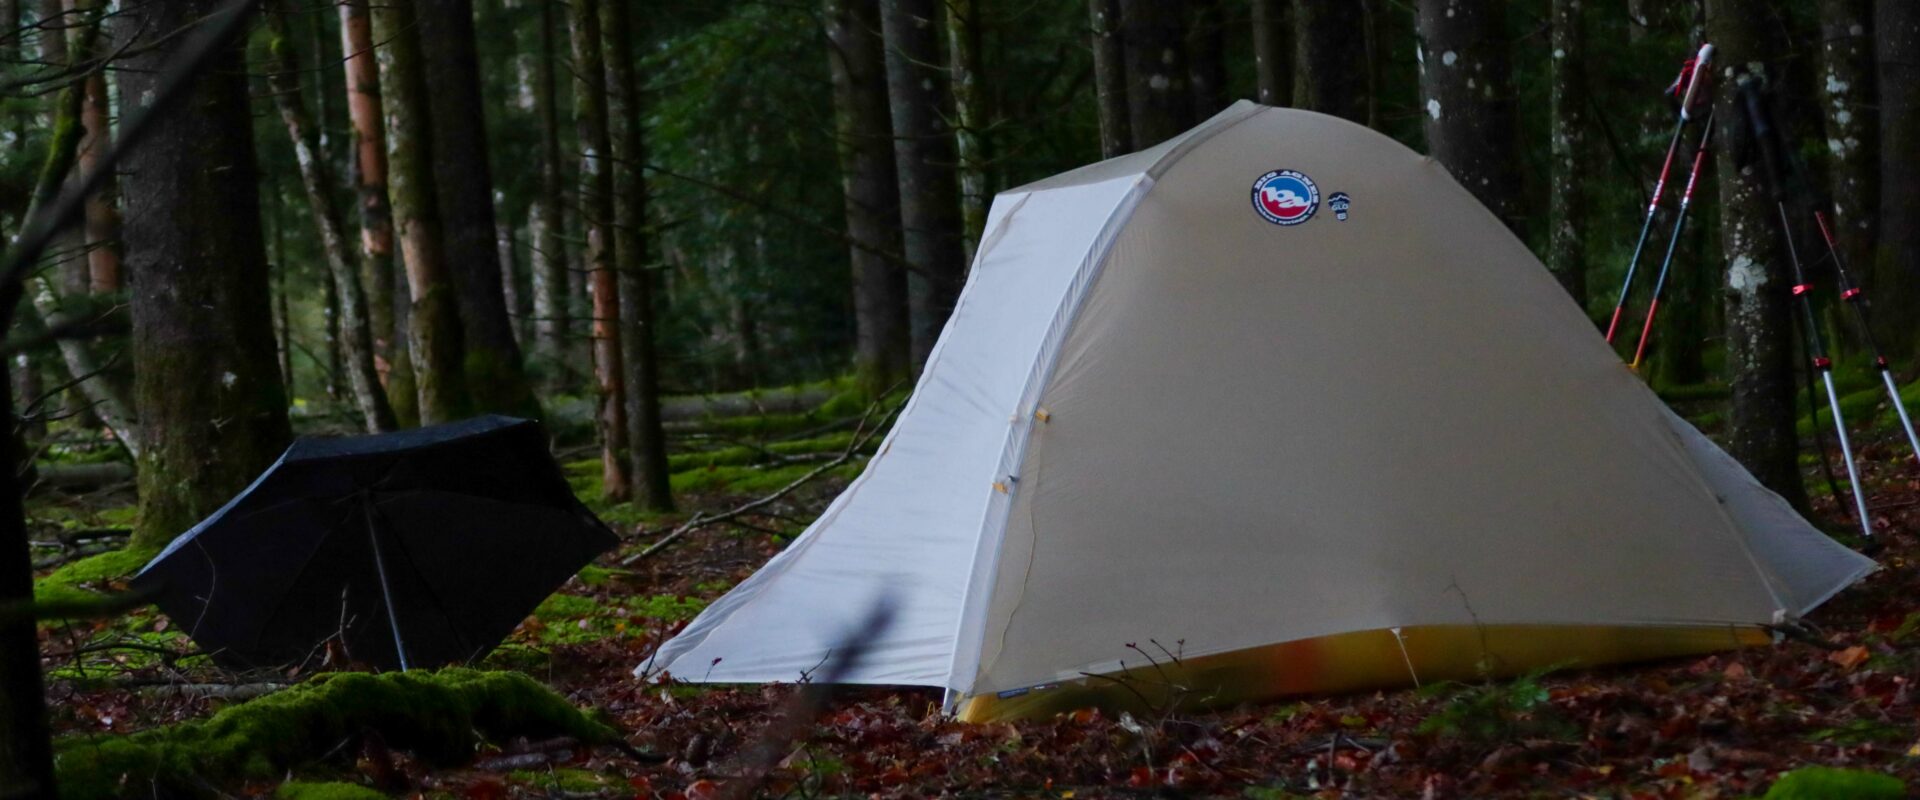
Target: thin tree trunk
x=513, y=284
x=1852, y=125
x=434, y=332
x=26, y=741
x=1896, y=273
x=597, y=207
x=548, y=223
x=857, y=58
x=212, y=407
x=366, y=109
x=1207, y=57
x=970, y=118
x=1110, y=77
x=1467, y=92
x=647, y=442
x=1329, y=38
x=103, y=207
x=1272, y=53
x=496, y=374
x=923, y=149
x=1759, y=332
x=1567, y=206
x=352, y=330
x=1159, y=97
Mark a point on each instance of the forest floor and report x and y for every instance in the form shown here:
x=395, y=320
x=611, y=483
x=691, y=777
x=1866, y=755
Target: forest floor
x=1726, y=725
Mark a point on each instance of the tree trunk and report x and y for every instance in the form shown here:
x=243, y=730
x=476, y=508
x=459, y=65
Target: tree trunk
x=366, y=110
x=547, y=226
x=26, y=742
x=1110, y=77
x=1567, y=206
x=647, y=442
x=1467, y=92
x=354, y=337
x=1896, y=273
x=970, y=119
x=923, y=149
x=598, y=208
x=1272, y=53
x=1159, y=98
x=435, y=335
x=103, y=207
x=513, y=283
x=1207, y=57
x=496, y=375
x=864, y=125
x=1847, y=92
x=1329, y=39
x=1759, y=332
x=212, y=407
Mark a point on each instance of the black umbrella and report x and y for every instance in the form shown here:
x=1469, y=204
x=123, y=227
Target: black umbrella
x=417, y=548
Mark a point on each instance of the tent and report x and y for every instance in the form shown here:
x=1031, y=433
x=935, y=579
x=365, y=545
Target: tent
x=1273, y=407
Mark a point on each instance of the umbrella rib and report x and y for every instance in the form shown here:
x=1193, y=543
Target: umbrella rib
x=386, y=589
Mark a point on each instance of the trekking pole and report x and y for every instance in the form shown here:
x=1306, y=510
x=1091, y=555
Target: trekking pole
x=1851, y=293
x=1765, y=135
x=1688, y=88
x=1679, y=225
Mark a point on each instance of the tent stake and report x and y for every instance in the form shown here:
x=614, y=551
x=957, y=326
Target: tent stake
x=386, y=591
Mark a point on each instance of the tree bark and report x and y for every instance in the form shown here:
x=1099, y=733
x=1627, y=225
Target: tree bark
x=1329, y=40
x=1896, y=273
x=970, y=119
x=513, y=284
x=1567, y=206
x=598, y=208
x=366, y=110
x=1206, y=57
x=435, y=335
x=1853, y=146
x=213, y=410
x=646, y=441
x=1272, y=53
x=1159, y=97
x=864, y=125
x=923, y=149
x=547, y=220
x=26, y=741
x=1110, y=77
x=103, y=206
x=354, y=338
x=496, y=375
x=1466, y=85
x=1759, y=332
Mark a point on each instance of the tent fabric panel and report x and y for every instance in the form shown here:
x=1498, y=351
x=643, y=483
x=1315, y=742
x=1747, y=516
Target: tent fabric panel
x=1379, y=450
x=908, y=528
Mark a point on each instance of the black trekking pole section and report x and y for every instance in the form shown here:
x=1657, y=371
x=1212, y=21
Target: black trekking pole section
x=1766, y=135
x=1673, y=245
x=1855, y=298
x=1693, y=74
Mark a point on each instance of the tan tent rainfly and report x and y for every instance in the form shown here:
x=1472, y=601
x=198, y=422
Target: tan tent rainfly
x=1273, y=407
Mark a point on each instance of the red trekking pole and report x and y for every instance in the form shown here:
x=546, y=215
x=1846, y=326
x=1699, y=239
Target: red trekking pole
x=1679, y=224
x=1692, y=75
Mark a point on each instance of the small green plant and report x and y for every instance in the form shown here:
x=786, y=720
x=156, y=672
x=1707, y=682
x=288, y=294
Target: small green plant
x=1496, y=711
x=1830, y=783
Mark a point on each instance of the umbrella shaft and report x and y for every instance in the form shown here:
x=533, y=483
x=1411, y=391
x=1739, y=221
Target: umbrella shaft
x=386, y=589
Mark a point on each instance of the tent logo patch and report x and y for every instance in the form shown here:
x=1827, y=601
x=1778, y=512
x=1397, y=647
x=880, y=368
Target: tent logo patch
x=1285, y=197
x=1341, y=204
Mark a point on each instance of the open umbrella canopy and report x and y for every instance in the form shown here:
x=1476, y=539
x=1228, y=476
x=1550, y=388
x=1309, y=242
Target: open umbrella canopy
x=418, y=548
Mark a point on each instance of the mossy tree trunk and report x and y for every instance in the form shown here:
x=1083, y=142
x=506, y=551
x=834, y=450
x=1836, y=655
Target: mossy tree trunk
x=1896, y=273
x=495, y=372
x=212, y=407
x=351, y=333
x=1759, y=332
x=435, y=336
x=1329, y=39
x=646, y=440
x=548, y=221
x=924, y=158
x=1567, y=201
x=1110, y=77
x=1159, y=96
x=864, y=125
x=597, y=208
x=970, y=118
x=1466, y=83
x=1272, y=53
x=366, y=110
x=1849, y=111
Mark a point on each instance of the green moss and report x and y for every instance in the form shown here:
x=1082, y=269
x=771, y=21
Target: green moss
x=750, y=480
x=82, y=579
x=440, y=717
x=567, y=779
x=301, y=790
x=1829, y=783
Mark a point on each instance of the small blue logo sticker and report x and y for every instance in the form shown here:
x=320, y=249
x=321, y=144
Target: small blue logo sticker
x=1340, y=203
x=1285, y=197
